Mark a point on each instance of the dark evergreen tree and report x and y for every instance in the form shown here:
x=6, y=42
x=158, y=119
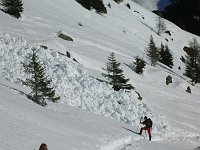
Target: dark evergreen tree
x=12, y=7
x=95, y=4
x=85, y=3
x=166, y=56
x=38, y=81
x=139, y=65
x=198, y=70
x=160, y=26
x=192, y=62
x=115, y=74
x=99, y=6
x=152, y=52
x=161, y=52
x=190, y=67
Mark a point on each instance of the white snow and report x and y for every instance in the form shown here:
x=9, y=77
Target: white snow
x=89, y=115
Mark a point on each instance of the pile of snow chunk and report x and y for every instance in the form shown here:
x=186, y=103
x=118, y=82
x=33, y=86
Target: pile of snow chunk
x=74, y=86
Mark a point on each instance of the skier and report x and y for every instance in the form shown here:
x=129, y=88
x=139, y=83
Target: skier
x=43, y=146
x=147, y=126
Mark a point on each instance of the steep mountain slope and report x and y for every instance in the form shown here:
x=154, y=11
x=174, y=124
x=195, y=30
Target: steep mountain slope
x=74, y=85
x=123, y=31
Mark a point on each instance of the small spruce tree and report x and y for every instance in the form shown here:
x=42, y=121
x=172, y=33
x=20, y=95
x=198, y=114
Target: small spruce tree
x=160, y=26
x=85, y=3
x=192, y=62
x=166, y=56
x=38, y=81
x=12, y=7
x=115, y=74
x=152, y=52
x=161, y=52
x=139, y=65
x=98, y=5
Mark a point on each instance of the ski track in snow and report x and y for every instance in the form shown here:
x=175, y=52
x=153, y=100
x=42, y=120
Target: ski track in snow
x=116, y=143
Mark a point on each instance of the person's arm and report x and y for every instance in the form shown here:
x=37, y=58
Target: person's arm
x=144, y=122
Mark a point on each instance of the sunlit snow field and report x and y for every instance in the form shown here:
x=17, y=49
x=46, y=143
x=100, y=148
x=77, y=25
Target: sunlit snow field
x=90, y=115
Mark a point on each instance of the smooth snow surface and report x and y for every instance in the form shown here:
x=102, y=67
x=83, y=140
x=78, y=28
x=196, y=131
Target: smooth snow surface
x=90, y=115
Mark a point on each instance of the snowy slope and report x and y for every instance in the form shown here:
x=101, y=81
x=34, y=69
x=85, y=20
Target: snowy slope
x=25, y=125
x=123, y=31
x=74, y=85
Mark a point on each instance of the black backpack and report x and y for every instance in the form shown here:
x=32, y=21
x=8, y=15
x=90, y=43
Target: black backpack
x=149, y=123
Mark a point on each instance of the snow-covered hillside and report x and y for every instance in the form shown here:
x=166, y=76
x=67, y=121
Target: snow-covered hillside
x=123, y=31
x=73, y=84
x=25, y=125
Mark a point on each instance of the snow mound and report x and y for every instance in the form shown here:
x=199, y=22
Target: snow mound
x=75, y=87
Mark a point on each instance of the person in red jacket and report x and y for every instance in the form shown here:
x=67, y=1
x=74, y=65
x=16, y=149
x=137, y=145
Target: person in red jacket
x=147, y=126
